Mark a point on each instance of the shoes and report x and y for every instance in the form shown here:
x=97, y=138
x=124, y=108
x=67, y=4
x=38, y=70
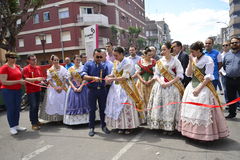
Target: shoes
x=13, y=131
x=105, y=130
x=40, y=124
x=120, y=131
x=91, y=132
x=35, y=127
x=20, y=128
x=230, y=116
x=128, y=132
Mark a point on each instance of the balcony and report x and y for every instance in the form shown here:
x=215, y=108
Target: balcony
x=101, y=42
x=234, y=20
x=91, y=19
x=234, y=32
x=93, y=1
x=233, y=8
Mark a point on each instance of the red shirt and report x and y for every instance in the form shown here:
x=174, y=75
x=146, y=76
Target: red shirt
x=12, y=74
x=32, y=72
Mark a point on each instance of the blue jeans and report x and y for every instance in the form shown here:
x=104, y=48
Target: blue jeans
x=12, y=100
x=34, y=100
x=223, y=78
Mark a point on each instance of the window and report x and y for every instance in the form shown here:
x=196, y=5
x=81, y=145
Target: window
x=87, y=10
x=35, y=19
x=46, y=16
x=37, y=40
x=66, y=36
x=63, y=13
x=21, y=43
x=48, y=38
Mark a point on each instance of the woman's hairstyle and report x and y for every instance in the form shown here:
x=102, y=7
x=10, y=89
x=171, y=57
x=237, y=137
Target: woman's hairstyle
x=76, y=56
x=168, y=45
x=119, y=50
x=10, y=55
x=197, y=46
x=147, y=50
x=52, y=57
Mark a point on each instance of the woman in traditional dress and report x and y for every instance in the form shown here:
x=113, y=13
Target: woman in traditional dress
x=123, y=96
x=167, y=88
x=53, y=106
x=144, y=71
x=201, y=123
x=76, y=108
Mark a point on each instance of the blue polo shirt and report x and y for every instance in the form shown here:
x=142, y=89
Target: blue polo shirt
x=91, y=68
x=216, y=57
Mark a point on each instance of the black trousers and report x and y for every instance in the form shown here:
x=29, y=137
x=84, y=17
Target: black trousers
x=95, y=95
x=232, y=87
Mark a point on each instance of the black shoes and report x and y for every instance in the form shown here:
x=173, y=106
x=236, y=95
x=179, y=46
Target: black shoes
x=105, y=130
x=91, y=132
x=230, y=116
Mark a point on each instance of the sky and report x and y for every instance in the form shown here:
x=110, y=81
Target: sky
x=190, y=20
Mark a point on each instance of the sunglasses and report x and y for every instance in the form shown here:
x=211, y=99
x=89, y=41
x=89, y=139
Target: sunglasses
x=13, y=57
x=99, y=57
x=234, y=42
x=208, y=43
x=225, y=45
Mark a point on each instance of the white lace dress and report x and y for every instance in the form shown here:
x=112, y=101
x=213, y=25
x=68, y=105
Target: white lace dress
x=198, y=122
x=161, y=116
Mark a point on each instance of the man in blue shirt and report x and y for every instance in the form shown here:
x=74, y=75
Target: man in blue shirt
x=216, y=57
x=96, y=71
x=231, y=65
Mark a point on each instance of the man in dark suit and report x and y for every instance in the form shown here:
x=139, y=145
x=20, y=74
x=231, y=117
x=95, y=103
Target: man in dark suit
x=183, y=58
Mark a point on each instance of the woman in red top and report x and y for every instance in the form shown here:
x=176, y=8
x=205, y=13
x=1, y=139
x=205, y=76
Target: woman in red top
x=11, y=78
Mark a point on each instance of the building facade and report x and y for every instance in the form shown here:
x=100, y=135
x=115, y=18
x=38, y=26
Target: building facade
x=157, y=33
x=234, y=17
x=62, y=23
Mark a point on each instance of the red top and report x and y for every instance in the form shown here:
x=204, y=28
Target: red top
x=12, y=74
x=32, y=72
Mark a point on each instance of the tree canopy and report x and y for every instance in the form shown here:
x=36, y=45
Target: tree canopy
x=14, y=14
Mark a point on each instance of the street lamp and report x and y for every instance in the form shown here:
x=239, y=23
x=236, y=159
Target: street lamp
x=60, y=30
x=226, y=31
x=42, y=38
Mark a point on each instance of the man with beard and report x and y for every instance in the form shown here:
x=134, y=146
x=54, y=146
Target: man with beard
x=231, y=64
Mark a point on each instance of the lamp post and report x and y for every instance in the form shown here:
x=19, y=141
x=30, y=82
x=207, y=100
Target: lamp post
x=42, y=38
x=60, y=30
x=226, y=31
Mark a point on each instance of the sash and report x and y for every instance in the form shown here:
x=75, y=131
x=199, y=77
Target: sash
x=76, y=76
x=132, y=92
x=55, y=77
x=200, y=77
x=169, y=77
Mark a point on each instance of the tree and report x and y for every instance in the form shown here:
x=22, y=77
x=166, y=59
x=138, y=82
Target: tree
x=11, y=12
x=114, y=35
x=133, y=33
x=141, y=43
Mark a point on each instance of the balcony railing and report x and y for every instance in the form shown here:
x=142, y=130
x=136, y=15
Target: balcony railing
x=94, y=1
x=91, y=19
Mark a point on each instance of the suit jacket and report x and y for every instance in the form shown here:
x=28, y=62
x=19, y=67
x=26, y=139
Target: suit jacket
x=184, y=59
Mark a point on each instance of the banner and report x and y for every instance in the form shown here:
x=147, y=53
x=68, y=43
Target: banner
x=91, y=40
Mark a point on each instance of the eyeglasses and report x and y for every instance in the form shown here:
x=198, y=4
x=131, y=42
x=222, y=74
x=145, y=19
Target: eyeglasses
x=234, y=42
x=225, y=45
x=99, y=57
x=208, y=43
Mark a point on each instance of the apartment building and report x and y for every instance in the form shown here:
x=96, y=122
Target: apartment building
x=234, y=17
x=62, y=23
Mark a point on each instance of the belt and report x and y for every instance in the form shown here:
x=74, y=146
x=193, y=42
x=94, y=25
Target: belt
x=97, y=88
x=234, y=78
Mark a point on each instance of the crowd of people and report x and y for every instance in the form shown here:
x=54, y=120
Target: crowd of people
x=125, y=92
